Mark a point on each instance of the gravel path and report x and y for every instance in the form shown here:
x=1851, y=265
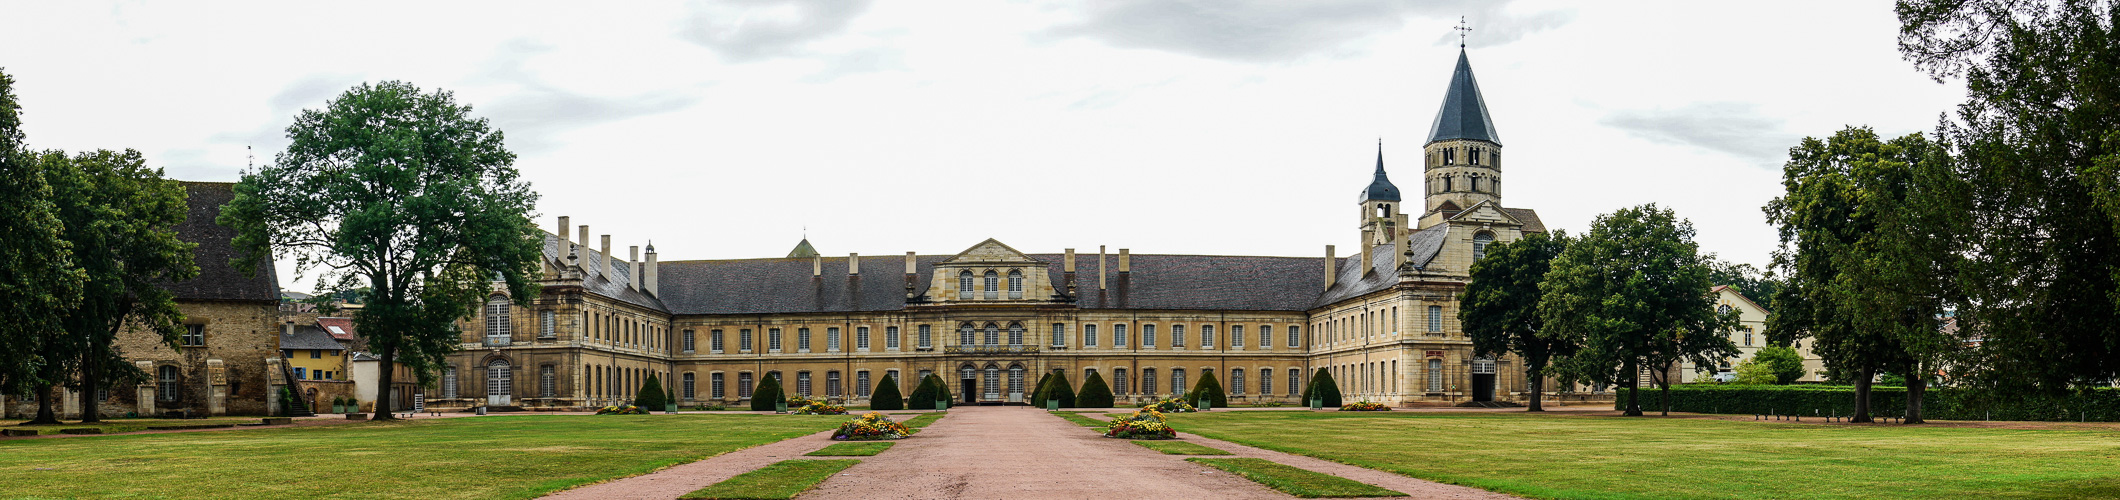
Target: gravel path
x=678, y=480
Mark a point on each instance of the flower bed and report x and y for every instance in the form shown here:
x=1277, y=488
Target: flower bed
x=800, y=406
x=873, y=426
x=1145, y=423
x=1172, y=405
x=1365, y=406
x=621, y=410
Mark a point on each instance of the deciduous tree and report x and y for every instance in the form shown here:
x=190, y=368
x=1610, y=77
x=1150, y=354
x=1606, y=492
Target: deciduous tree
x=405, y=192
x=38, y=280
x=1500, y=307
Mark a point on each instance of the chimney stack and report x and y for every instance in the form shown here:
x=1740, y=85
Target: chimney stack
x=1067, y=266
x=1101, y=270
x=911, y=270
x=853, y=264
x=562, y=234
x=607, y=268
x=1126, y=261
x=582, y=242
x=817, y=266
x=1332, y=268
x=287, y=329
x=650, y=284
x=633, y=269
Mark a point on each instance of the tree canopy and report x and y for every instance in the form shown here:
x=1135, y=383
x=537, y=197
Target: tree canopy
x=40, y=282
x=1634, y=293
x=1499, y=309
x=404, y=192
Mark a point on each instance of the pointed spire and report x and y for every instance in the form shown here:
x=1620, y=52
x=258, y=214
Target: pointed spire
x=1464, y=113
x=1380, y=189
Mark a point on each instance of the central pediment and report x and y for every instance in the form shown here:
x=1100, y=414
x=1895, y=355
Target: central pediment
x=991, y=251
x=990, y=272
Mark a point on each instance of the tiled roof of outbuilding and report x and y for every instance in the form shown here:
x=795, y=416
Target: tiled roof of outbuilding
x=217, y=279
x=309, y=337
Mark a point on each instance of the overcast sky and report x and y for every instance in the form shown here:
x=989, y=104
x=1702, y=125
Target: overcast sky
x=723, y=129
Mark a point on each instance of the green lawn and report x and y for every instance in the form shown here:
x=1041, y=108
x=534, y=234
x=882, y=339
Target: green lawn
x=780, y=481
x=1558, y=456
x=117, y=425
x=1081, y=420
x=1293, y=481
x=916, y=423
x=1180, y=448
x=868, y=449
x=486, y=457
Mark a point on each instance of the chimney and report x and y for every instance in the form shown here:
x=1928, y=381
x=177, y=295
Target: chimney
x=649, y=285
x=633, y=269
x=1101, y=270
x=817, y=266
x=1126, y=261
x=853, y=264
x=562, y=234
x=1332, y=268
x=582, y=242
x=287, y=329
x=1067, y=266
x=607, y=268
x=911, y=274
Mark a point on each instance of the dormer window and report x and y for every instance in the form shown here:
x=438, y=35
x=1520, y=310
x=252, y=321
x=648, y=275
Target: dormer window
x=1015, y=285
x=964, y=285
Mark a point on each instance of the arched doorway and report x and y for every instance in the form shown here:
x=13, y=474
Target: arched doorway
x=499, y=390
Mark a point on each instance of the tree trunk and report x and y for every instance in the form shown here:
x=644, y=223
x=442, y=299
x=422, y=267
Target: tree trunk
x=1916, y=385
x=383, y=391
x=44, y=408
x=1862, y=396
x=1664, y=379
x=1634, y=389
x=91, y=370
x=1538, y=383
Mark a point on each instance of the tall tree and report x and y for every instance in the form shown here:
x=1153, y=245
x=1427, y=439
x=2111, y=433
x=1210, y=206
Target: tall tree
x=120, y=218
x=1500, y=307
x=38, y=280
x=403, y=192
x=1635, y=288
x=1870, y=233
x=2039, y=135
x=1751, y=282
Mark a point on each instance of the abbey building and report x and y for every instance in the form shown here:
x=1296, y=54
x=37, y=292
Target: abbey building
x=991, y=319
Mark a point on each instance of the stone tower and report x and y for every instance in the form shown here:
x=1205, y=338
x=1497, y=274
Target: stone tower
x=1382, y=217
x=1464, y=155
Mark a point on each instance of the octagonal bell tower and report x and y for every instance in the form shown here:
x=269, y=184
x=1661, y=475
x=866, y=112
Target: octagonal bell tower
x=1463, y=154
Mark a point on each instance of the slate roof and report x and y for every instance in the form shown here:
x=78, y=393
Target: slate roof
x=344, y=325
x=1464, y=113
x=1166, y=282
x=1529, y=217
x=1381, y=189
x=217, y=279
x=1353, y=282
x=596, y=280
x=309, y=337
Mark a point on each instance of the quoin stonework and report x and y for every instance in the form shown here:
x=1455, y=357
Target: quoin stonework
x=992, y=319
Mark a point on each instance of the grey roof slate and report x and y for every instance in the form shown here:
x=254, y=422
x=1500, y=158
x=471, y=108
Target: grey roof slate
x=599, y=281
x=309, y=337
x=217, y=279
x=1464, y=113
x=1353, y=282
x=1381, y=188
x=1529, y=217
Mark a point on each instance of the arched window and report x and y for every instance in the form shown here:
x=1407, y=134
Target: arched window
x=993, y=285
x=1475, y=183
x=993, y=334
x=964, y=285
x=1015, y=334
x=1474, y=158
x=498, y=383
x=992, y=382
x=1479, y=245
x=964, y=335
x=1236, y=381
x=166, y=384
x=1015, y=381
x=497, y=320
x=1015, y=285
x=1446, y=183
x=449, y=382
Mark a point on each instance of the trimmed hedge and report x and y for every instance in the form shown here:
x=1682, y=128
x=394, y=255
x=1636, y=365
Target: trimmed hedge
x=650, y=396
x=2097, y=405
x=1208, y=388
x=886, y=397
x=1094, y=393
x=1059, y=389
x=1321, y=383
x=766, y=394
x=1037, y=395
x=924, y=396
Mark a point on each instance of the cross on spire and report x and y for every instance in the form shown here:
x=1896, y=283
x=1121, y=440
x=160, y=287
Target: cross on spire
x=1462, y=30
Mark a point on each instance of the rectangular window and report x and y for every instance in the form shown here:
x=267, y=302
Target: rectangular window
x=1177, y=335
x=1089, y=335
x=773, y=339
x=744, y=385
x=861, y=338
x=802, y=340
x=1059, y=334
x=861, y=383
x=831, y=384
x=714, y=383
x=802, y=384
x=1295, y=381
x=687, y=388
x=194, y=336
x=548, y=324
x=301, y=373
x=1207, y=336
x=1236, y=381
x=1148, y=381
x=1295, y=336
x=1236, y=336
x=1435, y=319
x=890, y=337
x=687, y=342
x=1435, y=375
x=714, y=341
x=319, y=353
x=1119, y=381
x=927, y=337
x=743, y=339
x=547, y=382
x=1148, y=337
x=1119, y=336
x=1266, y=382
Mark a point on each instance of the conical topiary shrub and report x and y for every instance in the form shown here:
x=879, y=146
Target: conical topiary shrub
x=1321, y=384
x=766, y=394
x=1038, y=395
x=886, y=395
x=1094, y=393
x=923, y=397
x=650, y=396
x=1209, y=389
x=1061, y=390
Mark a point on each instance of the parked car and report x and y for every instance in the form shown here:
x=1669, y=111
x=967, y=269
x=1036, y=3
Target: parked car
x=1726, y=377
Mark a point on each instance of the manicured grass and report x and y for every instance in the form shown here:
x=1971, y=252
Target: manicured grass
x=780, y=481
x=922, y=421
x=852, y=449
x=117, y=425
x=1294, y=481
x=483, y=457
x=1563, y=456
x=1078, y=419
x=1180, y=448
